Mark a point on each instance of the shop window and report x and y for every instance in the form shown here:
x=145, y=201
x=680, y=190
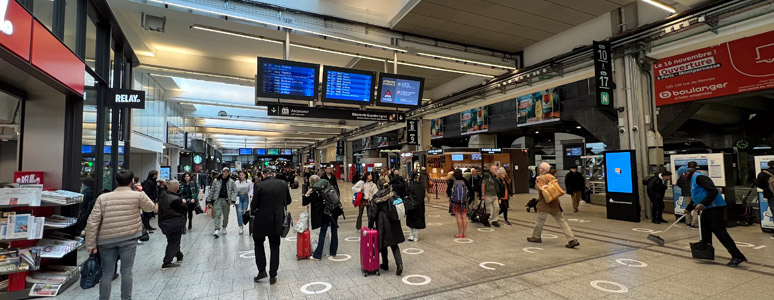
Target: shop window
x=44, y=12
x=10, y=116
x=71, y=24
x=89, y=150
x=91, y=43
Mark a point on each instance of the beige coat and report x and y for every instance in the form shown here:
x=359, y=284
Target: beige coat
x=542, y=206
x=116, y=217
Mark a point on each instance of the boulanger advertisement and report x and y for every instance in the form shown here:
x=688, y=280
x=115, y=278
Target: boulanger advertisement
x=739, y=66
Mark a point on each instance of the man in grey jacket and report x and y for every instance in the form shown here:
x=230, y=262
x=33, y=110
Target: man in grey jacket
x=223, y=194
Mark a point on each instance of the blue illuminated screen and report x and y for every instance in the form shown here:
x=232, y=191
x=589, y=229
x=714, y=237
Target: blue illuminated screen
x=273, y=151
x=260, y=151
x=618, y=167
x=457, y=157
x=245, y=151
x=87, y=149
x=286, y=152
x=399, y=91
x=281, y=79
x=348, y=86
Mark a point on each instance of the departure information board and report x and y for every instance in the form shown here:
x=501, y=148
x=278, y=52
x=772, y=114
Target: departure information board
x=348, y=86
x=286, y=79
x=400, y=91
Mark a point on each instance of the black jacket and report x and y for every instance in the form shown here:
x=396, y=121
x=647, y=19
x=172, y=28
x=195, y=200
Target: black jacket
x=270, y=197
x=332, y=180
x=656, y=188
x=475, y=187
x=151, y=189
x=416, y=218
x=574, y=182
x=399, y=186
x=762, y=182
x=390, y=233
x=172, y=212
x=317, y=211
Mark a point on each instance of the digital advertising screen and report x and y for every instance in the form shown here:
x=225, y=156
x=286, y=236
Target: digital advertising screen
x=573, y=151
x=538, y=107
x=618, y=169
x=286, y=152
x=272, y=151
x=475, y=156
x=286, y=79
x=348, y=86
x=436, y=128
x=457, y=157
x=399, y=90
x=86, y=149
x=165, y=172
x=474, y=120
x=259, y=151
x=245, y=151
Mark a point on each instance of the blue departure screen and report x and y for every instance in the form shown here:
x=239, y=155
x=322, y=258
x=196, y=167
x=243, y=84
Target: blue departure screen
x=281, y=79
x=618, y=167
x=398, y=91
x=260, y=151
x=245, y=151
x=348, y=86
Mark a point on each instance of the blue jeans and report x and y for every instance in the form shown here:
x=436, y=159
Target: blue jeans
x=244, y=202
x=334, y=238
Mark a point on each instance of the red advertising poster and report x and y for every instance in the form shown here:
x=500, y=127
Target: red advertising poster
x=743, y=65
x=35, y=177
x=15, y=27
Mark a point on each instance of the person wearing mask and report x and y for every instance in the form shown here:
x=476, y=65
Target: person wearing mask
x=243, y=187
x=691, y=219
x=710, y=206
x=656, y=188
x=367, y=186
x=190, y=193
x=390, y=232
x=398, y=183
x=270, y=200
x=575, y=184
x=474, y=194
x=223, y=194
x=415, y=219
x=319, y=218
x=552, y=208
x=150, y=187
x=331, y=179
x=504, y=194
x=112, y=230
x=172, y=211
x=762, y=182
x=489, y=185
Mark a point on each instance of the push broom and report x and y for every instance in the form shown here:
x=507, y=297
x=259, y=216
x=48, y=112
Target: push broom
x=657, y=239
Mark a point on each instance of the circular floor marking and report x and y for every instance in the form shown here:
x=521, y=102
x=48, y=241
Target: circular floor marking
x=434, y=224
x=413, y=251
x=531, y=249
x=336, y=258
x=433, y=216
x=484, y=265
x=463, y=240
x=549, y=236
x=621, y=288
x=579, y=220
x=290, y=239
x=744, y=245
x=247, y=254
x=486, y=229
x=646, y=230
x=631, y=263
x=305, y=288
x=425, y=280
x=352, y=239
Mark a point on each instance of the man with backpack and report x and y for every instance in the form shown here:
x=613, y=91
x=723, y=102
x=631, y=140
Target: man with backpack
x=765, y=182
x=656, y=187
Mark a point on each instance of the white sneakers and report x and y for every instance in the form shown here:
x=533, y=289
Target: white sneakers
x=216, y=234
x=224, y=231
x=241, y=230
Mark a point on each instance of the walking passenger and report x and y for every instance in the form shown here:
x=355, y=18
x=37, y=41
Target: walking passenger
x=415, y=218
x=223, y=194
x=390, y=231
x=575, y=184
x=489, y=195
x=504, y=193
x=458, y=201
x=150, y=187
x=367, y=186
x=244, y=187
x=545, y=208
x=190, y=193
x=172, y=210
x=270, y=200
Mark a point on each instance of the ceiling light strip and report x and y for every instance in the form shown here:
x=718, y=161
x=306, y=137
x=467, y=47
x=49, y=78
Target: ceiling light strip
x=466, y=60
x=231, y=33
x=661, y=5
x=444, y=69
x=277, y=25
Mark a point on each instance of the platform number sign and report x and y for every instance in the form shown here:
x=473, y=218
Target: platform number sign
x=412, y=132
x=603, y=73
x=340, y=147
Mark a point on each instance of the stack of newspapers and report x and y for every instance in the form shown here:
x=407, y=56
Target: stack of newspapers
x=61, y=197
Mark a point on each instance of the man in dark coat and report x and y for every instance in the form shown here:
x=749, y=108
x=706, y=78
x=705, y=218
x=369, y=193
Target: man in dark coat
x=575, y=184
x=172, y=210
x=399, y=185
x=150, y=187
x=270, y=197
x=390, y=231
x=331, y=178
x=656, y=189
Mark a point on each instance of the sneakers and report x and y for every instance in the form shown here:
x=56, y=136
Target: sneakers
x=216, y=234
x=224, y=231
x=241, y=230
x=410, y=238
x=572, y=244
x=735, y=262
x=534, y=240
x=261, y=275
x=495, y=224
x=273, y=281
x=180, y=258
x=169, y=265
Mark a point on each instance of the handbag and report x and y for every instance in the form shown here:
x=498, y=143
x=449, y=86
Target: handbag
x=357, y=199
x=91, y=272
x=397, y=210
x=551, y=191
x=410, y=203
x=246, y=217
x=286, y=223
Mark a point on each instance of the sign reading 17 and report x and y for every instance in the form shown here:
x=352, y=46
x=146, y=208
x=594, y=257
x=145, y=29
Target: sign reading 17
x=603, y=79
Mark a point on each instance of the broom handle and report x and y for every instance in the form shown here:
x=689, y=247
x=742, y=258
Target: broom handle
x=673, y=224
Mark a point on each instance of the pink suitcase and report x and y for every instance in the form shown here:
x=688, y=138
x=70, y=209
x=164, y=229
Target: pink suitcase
x=369, y=251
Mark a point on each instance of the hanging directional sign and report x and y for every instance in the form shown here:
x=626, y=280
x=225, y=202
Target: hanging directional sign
x=603, y=74
x=412, y=132
x=330, y=113
x=340, y=147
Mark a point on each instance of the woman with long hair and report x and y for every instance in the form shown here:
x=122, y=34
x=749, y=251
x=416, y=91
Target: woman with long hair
x=459, y=209
x=367, y=186
x=415, y=218
x=243, y=193
x=504, y=193
x=190, y=192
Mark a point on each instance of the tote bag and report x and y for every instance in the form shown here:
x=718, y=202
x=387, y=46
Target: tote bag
x=551, y=191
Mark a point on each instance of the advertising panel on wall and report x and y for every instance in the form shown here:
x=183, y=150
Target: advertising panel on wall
x=367, y=143
x=767, y=213
x=621, y=186
x=474, y=120
x=436, y=128
x=538, y=107
x=738, y=66
x=710, y=164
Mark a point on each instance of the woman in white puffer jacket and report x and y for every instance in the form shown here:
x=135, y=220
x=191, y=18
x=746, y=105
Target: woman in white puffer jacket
x=368, y=187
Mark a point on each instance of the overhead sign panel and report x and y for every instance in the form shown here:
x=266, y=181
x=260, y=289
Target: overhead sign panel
x=412, y=132
x=124, y=98
x=400, y=90
x=603, y=74
x=348, y=86
x=329, y=113
x=286, y=79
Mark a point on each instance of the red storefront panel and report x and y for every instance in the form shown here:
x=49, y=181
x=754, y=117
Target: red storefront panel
x=743, y=65
x=52, y=57
x=15, y=27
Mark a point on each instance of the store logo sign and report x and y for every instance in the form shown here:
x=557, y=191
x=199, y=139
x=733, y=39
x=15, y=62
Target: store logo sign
x=121, y=98
x=5, y=25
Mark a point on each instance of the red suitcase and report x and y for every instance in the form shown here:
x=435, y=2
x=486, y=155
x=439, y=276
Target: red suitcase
x=303, y=245
x=369, y=251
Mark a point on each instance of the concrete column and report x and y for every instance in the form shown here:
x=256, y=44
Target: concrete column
x=424, y=134
x=174, y=162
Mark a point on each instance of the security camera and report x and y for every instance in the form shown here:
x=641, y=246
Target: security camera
x=222, y=113
x=621, y=109
x=635, y=128
x=621, y=130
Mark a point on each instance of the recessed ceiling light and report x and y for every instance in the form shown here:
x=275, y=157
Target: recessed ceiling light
x=578, y=127
x=536, y=132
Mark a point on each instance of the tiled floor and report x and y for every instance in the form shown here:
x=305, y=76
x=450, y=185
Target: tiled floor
x=613, y=261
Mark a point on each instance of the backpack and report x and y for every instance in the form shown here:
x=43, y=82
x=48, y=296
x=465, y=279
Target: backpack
x=459, y=192
x=647, y=179
x=332, y=201
x=771, y=181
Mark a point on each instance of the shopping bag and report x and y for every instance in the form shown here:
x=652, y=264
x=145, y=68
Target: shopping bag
x=552, y=190
x=210, y=212
x=301, y=222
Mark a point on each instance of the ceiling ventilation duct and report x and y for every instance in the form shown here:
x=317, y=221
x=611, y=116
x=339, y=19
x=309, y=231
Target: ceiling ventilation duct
x=153, y=23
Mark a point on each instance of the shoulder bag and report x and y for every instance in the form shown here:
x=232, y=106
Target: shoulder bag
x=287, y=222
x=552, y=190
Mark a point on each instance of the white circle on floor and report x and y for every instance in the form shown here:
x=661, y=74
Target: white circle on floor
x=621, y=288
x=305, y=288
x=631, y=263
x=433, y=216
x=352, y=239
x=646, y=230
x=744, y=245
x=290, y=239
x=531, y=249
x=549, y=236
x=247, y=254
x=486, y=229
x=579, y=220
x=463, y=240
x=484, y=265
x=346, y=257
x=413, y=251
x=424, y=282
x=434, y=224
